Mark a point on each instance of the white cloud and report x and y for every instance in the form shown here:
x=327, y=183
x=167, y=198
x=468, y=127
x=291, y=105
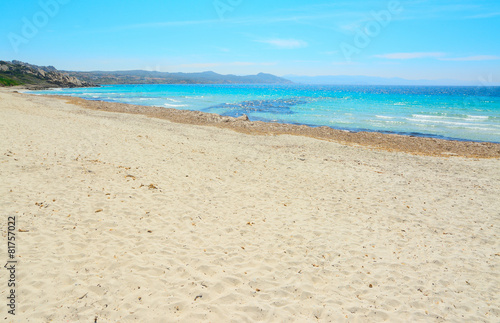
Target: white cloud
x=473, y=58
x=169, y=24
x=221, y=64
x=437, y=55
x=410, y=55
x=485, y=15
x=285, y=43
x=200, y=65
x=345, y=63
x=333, y=52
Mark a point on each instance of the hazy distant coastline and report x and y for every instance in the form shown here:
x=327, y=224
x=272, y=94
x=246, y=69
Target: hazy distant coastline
x=40, y=77
x=373, y=80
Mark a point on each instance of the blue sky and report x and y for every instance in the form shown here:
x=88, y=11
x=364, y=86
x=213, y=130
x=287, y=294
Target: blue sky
x=413, y=39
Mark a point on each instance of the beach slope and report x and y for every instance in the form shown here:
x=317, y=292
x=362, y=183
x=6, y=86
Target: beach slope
x=124, y=217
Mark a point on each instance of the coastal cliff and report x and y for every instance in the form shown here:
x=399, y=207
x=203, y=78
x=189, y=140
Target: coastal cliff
x=37, y=77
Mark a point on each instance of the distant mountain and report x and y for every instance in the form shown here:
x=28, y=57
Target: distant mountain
x=36, y=77
x=152, y=77
x=371, y=80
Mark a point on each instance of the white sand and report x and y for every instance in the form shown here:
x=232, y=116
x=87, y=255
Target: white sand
x=261, y=228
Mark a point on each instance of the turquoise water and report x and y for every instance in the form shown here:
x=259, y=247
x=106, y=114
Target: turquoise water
x=463, y=113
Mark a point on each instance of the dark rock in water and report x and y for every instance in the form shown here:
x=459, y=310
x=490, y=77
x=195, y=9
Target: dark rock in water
x=272, y=106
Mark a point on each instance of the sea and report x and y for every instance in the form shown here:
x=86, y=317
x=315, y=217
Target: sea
x=445, y=112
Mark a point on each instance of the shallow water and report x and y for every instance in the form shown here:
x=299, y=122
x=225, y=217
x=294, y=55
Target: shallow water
x=464, y=113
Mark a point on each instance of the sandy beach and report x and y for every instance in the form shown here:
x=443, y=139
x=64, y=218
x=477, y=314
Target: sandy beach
x=129, y=217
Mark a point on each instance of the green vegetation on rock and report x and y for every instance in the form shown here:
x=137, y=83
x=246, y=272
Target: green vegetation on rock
x=8, y=82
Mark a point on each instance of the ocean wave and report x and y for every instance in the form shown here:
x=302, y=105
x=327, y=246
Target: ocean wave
x=174, y=105
x=463, y=117
x=478, y=117
x=425, y=116
x=386, y=122
x=485, y=129
x=454, y=123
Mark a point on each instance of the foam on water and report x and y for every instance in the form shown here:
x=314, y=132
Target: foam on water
x=174, y=105
x=465, y=113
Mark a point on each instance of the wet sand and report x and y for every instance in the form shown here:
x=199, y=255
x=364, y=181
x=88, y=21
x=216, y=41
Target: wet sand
x=389, y=142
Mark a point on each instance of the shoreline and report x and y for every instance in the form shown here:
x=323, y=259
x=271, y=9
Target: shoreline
x=425, y=146
x=415, y=145
x=381, y=132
